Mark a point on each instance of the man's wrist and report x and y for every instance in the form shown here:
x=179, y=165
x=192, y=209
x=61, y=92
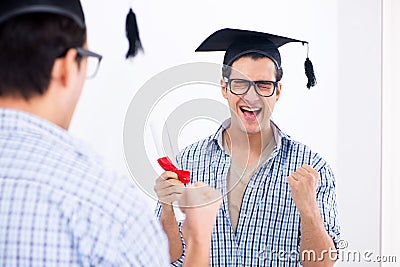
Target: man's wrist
x=200, y=240
x=167, y=214
x=311, y=214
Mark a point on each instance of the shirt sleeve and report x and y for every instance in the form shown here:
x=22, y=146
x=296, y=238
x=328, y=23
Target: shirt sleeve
x=178, y=262
x=326, y=199
x=141, y=241
x=153, y=251
x=132, y=238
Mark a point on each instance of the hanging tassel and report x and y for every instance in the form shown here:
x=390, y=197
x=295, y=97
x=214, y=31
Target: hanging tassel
x=132, y=33
x=308, y=66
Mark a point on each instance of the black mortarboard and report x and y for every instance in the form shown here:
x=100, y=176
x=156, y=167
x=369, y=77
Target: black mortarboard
x=238, y=43
x=69, y=8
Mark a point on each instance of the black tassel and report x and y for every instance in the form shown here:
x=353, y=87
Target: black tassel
x=308, y=66
x=132, y=33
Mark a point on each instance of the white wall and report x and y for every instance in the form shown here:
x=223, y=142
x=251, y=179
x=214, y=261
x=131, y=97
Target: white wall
x=391, y=129
x=359, y=125
x=339, y=118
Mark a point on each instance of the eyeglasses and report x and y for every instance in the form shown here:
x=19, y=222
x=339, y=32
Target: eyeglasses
x=242, y=86
x=93, y=61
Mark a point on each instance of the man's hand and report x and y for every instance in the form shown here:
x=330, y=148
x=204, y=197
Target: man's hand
x=314, y=237
x=168, y=189
x=303, y=185
x=200, y=203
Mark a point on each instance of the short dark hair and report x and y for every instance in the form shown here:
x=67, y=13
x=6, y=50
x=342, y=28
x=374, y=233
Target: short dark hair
x=29, y=46
x=226, y=70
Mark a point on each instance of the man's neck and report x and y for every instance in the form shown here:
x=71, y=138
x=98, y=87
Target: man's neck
x=245, y=148
x=36, y=106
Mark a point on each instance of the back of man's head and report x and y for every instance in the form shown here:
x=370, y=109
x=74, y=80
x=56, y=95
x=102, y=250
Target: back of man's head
x=30, y=44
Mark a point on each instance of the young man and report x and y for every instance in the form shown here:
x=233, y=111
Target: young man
x=58, y=205
x=279, y=206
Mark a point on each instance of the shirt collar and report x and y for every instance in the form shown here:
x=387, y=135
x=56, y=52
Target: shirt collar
x=15, y=121
x=278, y=134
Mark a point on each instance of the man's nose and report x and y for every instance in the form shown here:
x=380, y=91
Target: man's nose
x=251, y=95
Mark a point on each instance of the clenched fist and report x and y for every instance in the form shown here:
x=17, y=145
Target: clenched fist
x=303, y=185
x=200, y=203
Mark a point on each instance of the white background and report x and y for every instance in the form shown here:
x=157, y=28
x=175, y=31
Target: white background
x=391, y=128
x=340, y=118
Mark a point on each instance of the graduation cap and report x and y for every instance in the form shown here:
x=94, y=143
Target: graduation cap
x=71, y=9
x=238, y=43
x=68, y=8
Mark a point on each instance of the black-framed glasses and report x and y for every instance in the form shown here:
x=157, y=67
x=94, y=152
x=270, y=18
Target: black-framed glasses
x=242, y=86
x=93, y=61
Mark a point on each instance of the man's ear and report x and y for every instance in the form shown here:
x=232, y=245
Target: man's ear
x=65, y=68
x=224, y=89
x=278, y=91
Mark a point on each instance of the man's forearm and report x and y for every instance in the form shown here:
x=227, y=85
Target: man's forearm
x=171, y=229
x=316, y=246
x=198, y=252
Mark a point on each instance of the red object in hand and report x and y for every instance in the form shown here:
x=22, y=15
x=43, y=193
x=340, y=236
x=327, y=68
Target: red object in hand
x=166, y=164
x=184, y=176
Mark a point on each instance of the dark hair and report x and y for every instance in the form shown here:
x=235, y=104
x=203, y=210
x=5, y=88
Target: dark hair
x=29, y=45
x=226, y=70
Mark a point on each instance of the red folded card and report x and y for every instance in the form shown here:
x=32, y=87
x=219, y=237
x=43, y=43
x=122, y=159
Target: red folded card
x=166, y=164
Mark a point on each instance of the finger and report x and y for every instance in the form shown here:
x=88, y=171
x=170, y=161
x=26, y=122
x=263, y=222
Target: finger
x=159, y=187
x=310, y=170
x=302, y=171
x=171, y=190
x=165, y=189
x=291, y=180
x=297, y=176
x=168, y=193
x=167, y=183
x=305, y=174
x=169, y=175
x=165, y=195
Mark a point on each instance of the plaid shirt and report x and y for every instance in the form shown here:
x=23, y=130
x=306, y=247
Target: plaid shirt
x=60, y=207
x=268, y=230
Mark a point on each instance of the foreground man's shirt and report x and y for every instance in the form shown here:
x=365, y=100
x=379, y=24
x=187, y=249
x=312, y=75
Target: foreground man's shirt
x=268, y=227
x=60, y=207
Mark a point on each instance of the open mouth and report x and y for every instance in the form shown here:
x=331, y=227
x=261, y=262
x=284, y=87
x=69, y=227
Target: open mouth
x=250, y=113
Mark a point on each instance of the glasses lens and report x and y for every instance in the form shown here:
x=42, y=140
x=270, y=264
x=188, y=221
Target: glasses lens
x=265, y=88
x=239, y=86
x=92, y=67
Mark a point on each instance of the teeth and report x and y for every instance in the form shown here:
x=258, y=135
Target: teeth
x=251, y=109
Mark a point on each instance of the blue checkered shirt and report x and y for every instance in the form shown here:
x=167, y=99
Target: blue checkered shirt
x=60, y=207
x=268, y=230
